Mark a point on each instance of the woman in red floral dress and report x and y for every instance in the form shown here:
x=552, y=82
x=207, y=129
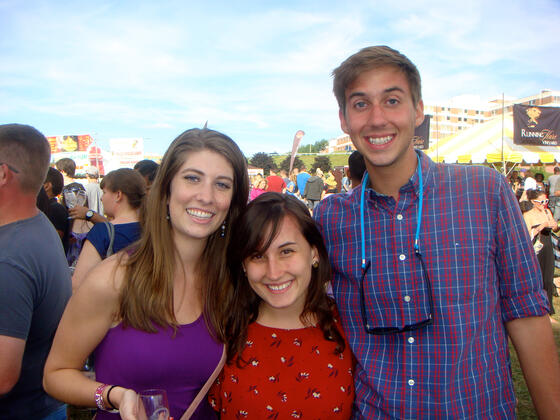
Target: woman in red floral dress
x=287, y=354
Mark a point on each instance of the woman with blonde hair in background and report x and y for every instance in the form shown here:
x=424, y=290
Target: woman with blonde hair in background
x=153, y=315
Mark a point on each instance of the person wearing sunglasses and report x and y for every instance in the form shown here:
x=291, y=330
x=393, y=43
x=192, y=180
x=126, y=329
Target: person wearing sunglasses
x=432, y=264
x=541, y=223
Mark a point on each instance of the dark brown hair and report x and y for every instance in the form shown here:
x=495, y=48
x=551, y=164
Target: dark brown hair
x=371, y=58
x=264, y=216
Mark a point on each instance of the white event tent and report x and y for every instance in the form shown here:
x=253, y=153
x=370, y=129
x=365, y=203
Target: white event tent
x=483, y=144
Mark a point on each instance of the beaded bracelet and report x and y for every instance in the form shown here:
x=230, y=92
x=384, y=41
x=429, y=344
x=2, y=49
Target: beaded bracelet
x=99, y=397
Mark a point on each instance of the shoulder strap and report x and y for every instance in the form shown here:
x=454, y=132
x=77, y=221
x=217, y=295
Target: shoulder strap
x=111, y=231
x=204, y=390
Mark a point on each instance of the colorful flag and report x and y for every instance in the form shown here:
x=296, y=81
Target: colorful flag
x=297, y=139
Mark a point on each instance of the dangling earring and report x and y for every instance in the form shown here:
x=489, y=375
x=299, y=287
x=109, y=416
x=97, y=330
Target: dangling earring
x=167, y=217
x=223, y=232
x=315, y=264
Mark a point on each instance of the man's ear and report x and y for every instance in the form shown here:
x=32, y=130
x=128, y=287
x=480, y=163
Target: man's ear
x=47, y=186
x=419, y=113
x=342, y=118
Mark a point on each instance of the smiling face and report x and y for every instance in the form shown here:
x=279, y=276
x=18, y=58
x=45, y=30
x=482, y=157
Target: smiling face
x=200, y=195
x=380, y=117
x=281, y=275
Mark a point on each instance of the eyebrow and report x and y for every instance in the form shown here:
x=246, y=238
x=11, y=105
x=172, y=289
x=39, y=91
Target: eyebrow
x=388, y=90
x=199, y=172
x=286, y=244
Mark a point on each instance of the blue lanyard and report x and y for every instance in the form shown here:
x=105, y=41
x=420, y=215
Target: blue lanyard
x=418, y=216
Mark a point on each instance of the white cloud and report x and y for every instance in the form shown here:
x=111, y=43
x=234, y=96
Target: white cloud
x=249, y=69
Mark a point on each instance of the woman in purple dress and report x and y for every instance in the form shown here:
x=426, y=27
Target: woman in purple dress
x=154, y=316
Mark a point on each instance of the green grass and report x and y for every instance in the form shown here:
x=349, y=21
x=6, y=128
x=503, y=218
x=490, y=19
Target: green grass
x=338, y=159
x=525, y=408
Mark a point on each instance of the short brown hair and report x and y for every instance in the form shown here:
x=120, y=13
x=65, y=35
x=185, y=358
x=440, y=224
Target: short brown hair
x=370, y=58
x=27, y=150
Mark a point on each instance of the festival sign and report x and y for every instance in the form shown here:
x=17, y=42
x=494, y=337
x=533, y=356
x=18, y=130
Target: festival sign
x=78, y=143
x=536, y=125
x=421, y=139
x=80, y=159
x=126, y=152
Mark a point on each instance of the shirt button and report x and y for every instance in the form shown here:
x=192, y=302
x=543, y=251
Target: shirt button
x=407, y=298
x=399, y=217
x=411, y=340
x=411, y=382
x=402, y=257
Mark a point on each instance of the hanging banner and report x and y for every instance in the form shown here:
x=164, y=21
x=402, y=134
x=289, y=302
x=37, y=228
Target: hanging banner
x=536, y=125
x=297, y=140
x=421, y=139
x=61, y=144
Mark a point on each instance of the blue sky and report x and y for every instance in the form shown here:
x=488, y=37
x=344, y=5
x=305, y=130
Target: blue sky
x=257, y=71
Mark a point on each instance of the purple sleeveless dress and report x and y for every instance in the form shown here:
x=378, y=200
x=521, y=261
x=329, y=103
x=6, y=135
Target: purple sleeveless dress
x=140, y=360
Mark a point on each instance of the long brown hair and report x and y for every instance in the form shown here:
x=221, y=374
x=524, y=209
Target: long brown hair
x=254, y=232
x=147, y=295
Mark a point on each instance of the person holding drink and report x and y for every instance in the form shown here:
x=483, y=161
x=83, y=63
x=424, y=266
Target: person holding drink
x=154, y=315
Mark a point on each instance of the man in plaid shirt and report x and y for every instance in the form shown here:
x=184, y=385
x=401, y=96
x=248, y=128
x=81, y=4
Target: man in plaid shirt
x=433, y=266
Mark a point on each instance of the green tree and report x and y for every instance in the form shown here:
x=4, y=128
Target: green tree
x=322, y=162
x=263, y=160
x=285, y=164
x=316, y=147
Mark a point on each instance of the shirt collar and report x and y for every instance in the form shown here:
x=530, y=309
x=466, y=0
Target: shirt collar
x=428, y=171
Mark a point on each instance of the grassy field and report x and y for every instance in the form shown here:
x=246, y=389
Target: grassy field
x=525, y=408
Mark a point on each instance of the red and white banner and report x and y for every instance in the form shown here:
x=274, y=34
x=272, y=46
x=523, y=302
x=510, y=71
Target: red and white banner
x=297, y=140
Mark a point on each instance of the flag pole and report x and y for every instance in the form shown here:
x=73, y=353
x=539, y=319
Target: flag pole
x=503, y=119
x=437, y=136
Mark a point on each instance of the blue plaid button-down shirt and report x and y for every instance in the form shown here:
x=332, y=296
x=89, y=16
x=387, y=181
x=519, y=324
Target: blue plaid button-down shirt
x=483, y=273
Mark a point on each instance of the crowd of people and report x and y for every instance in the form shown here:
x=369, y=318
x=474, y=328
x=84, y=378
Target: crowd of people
x=390, y=293
x=310, y=189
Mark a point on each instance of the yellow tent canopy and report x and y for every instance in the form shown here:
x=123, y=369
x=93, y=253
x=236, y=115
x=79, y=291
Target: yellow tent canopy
x=483, y=143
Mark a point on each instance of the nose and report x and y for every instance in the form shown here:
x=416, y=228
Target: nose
x=205, y=193
x=274, y=269
x=376, y=116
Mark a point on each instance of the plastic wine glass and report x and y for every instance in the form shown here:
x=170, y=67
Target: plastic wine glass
x=153, y=405
x=80, y=197
x=70, y=198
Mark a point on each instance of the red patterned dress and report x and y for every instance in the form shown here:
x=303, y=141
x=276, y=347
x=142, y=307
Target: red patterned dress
x=286, y=374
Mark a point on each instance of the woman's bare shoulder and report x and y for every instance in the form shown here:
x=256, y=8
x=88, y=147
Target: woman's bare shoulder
x=104, y=282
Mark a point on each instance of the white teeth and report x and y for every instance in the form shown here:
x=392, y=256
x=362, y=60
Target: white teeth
x=200, y=213
x=278, y=287
x=379, y=140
